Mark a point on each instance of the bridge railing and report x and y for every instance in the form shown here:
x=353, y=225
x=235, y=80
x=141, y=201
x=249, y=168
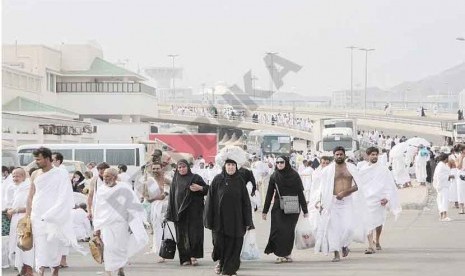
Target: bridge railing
x=295, y=125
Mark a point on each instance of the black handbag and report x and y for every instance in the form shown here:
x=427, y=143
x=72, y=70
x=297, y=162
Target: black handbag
x=168, y=246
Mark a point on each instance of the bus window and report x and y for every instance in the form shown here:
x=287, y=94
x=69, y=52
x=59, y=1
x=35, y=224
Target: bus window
x=67, y=153
x=88, y=155
x=120, y=156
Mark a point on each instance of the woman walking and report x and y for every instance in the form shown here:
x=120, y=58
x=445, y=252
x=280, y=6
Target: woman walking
x=228, y=214
x=288, y=183
x=185, y=209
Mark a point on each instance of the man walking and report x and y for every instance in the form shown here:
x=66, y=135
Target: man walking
x=50, y=203
x=380, y=192
x=339, y=216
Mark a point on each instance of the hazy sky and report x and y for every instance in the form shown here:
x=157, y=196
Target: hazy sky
x=221, y=40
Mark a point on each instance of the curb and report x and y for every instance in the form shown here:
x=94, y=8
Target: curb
x=427, y=201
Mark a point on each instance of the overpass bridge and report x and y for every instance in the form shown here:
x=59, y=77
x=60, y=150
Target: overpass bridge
x=405, y=123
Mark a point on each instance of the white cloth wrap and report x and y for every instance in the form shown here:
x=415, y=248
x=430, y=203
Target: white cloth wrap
x=51, y=217
x=118, y=211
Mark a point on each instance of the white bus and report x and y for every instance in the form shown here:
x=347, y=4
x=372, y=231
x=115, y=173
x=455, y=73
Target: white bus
x=132, y=155
x=264, y=143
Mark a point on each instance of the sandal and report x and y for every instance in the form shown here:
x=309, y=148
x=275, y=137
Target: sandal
x=378, y=246
x=218, y=269
x=194, y=262
x=370, y=251
x=186, y=263
x=345, y=251
x=280, y=260
x=288, y=259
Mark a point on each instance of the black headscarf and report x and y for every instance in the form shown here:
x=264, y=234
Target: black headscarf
x=286, y=176
x=225, y=174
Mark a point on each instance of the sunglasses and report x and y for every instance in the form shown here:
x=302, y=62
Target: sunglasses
x=280, y=162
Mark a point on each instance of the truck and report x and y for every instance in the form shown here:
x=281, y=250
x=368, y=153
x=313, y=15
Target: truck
x=333, y=132
x=454, y=132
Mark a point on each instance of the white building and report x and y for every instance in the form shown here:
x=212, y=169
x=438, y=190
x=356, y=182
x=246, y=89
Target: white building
x=47, y=92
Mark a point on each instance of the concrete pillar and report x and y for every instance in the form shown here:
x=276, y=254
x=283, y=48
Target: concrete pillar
x=135, y=118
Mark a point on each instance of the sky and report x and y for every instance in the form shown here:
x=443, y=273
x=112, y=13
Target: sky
x=219, y=41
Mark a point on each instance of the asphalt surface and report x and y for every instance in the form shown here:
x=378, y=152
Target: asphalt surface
x=416, y=244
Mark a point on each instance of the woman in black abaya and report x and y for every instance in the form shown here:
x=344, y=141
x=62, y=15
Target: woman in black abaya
x=228, y=214
x=281, y=240
x=185, y=209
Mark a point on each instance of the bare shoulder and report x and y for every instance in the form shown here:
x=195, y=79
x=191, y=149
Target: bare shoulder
x=35, y=174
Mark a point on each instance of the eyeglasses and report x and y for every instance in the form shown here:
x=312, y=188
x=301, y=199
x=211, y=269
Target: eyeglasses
x=279, y=162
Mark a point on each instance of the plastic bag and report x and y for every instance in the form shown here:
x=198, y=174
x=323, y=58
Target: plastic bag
x=249, y=248
x=304, y=237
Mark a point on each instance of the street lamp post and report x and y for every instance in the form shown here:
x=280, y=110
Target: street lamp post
x=351, y=75
x=271, y=54
x=173, y=56
x=463, y=40
x=203, y=93
x=366, y=76
x=253, y=78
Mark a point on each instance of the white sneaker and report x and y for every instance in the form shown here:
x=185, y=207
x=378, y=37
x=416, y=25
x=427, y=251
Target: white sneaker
x=447, y=219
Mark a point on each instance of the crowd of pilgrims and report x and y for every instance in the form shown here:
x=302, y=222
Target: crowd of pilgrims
x=221, y=197
x=286, y=119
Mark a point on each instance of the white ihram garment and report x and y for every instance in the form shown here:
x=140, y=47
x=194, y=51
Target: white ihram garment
x=157, y=211
x=51, y=217
x=453, y=197
x=81, y=224
x=119, y=216
x=441, y=184
x=378, y=183
x=400, y=170
x=341, y=221
x=420, y=167
x=17, y=256
x=461, y=186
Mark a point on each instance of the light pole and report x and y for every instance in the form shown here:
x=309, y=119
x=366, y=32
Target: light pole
x=173, y=56
x=463, y=40
x=366, y=76
x=351, y=75
x=271, y=54
x=203, y=93
x=253, y=78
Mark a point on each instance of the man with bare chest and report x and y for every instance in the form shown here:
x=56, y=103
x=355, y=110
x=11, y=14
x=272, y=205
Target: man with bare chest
x=336, y=228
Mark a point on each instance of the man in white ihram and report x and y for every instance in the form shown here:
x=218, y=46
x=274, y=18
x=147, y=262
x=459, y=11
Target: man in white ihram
x=118, y=219
x=342, y=209
x=380, y=192
x=50, y=202
x=420, y=164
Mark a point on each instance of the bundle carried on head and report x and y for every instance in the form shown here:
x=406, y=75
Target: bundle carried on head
x=231, y=152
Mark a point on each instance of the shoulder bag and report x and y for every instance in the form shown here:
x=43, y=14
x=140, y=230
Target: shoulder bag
x=168, y=246
x=289, y=204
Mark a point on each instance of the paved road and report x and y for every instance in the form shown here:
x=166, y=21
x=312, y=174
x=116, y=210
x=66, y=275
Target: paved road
x=416, y=244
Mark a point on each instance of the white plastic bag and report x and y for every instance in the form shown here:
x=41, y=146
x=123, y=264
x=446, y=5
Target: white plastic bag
x=249, y=247
x=304, y=237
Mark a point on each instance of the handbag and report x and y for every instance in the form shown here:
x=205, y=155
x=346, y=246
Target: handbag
x=96, y=249
x=24, y=232
x=289, y=204
x=5, y=224
x=168, y=246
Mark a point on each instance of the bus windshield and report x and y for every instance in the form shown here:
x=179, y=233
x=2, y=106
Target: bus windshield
x=276, y=144
x=330, y=143
x=460, y=128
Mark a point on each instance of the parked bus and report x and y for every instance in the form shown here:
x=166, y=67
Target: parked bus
x=132, y=155
x=264, y=143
